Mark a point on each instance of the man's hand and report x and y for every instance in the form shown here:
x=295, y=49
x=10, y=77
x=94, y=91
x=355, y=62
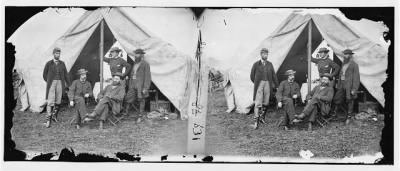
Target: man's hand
x=87, y=95
x=353, y=92
x=279, y=104
x=71, y=103
x=295, y=96
x=144, y=91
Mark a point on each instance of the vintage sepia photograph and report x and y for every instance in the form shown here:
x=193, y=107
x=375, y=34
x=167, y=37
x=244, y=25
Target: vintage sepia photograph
x=151, y=84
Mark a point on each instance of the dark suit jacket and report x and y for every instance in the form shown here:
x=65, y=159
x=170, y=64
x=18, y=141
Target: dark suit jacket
x=143, y=77
x=260, y=72
x=352, y=78
x=49, y=74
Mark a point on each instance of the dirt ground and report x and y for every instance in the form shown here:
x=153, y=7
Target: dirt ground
x=226, y=134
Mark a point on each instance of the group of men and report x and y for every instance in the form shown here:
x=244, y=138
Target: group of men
x=113, y=98
x=338, y=87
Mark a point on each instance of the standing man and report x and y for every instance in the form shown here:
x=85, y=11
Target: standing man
x=288, y=91
x=349, y=82
x=117, y=63
x=78, y=91
x=326, y=65
x=139, y=83
x=56, y=76
x=264, y=78
x=319, y=98
x=111, y=97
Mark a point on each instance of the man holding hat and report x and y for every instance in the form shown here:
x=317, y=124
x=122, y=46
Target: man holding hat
x=319, y=98
x=139, y=83
x=117, y=63
x=326, y=65
x=78, y=91
x=287, y=92
x=348, y=84
x=56, y=76
x=111, y=97
x=265, y=81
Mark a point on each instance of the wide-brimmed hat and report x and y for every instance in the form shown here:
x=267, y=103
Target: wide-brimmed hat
x=139, y=51
x=264, y=50
x=348, y=51
x=81, y=71
x=325, y=50
x=290, y=72
x=120, y=75
x=115, y=49
x=56, y=49
x=326, y=75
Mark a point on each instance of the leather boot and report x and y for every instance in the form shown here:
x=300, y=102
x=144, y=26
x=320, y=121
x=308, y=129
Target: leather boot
x=48, y=117
x=309, y=126
x=101, y=125
x=55, y=113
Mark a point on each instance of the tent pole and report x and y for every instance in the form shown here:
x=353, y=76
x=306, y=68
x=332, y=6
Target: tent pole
x=101, y=53
x=309, y=56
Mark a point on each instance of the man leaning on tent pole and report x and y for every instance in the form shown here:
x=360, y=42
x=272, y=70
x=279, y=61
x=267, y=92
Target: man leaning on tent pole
x=56, y=76
x=265, y=81
x=326, y=65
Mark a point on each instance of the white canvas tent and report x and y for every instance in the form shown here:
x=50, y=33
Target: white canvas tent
x=288, y=40
x=76, y=32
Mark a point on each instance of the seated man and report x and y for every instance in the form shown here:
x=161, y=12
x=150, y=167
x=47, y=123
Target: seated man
x=319, y=98
x=112, y=97
x=78, y=91
x=287, y=91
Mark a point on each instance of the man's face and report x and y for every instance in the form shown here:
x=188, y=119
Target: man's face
x=291, y=77
x=114, y=54
x=83, y=77
x=347, y=58
x=57, y=55
x=138, y=56
x=324, y=81
x=264, y=56
x=323, y=55
x=116, y=80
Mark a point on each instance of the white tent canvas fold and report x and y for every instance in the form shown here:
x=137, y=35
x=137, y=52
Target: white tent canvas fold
x=171, y=68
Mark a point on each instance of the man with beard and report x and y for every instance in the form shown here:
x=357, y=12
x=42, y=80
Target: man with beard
x=110, y=97
x=78, y=91
x=265, y=81
x=326, y=65
x=139, y=83
x=348, y=84
x=319, y=99
x=287, y=92
x=56, y=76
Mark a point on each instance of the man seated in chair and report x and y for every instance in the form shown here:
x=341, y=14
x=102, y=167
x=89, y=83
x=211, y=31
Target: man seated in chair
x=78, y=91
x=287, y=92
x=319, y=99
x=112, y=97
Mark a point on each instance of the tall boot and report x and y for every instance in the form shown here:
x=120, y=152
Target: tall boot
x=350, y=106
x=48, y=116
x=309, y=126
x=263, y=113
x=141, y=110
x=256, y=117
x=127, y=108
x=55, y=112
x=101, y=125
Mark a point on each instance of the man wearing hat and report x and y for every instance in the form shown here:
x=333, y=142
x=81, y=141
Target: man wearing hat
x=265, y=81
x=319, y=98
x=139, y=83
x=326, y=65
x=111, y=97
x=287, y=92
x=78, y=91
x=117, y=63
x=348, y=84
x=56, y=76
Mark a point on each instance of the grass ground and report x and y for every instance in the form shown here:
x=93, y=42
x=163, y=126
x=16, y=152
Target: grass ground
x=226, y=134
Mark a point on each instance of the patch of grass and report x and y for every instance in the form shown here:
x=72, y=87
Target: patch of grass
x=231, y=134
